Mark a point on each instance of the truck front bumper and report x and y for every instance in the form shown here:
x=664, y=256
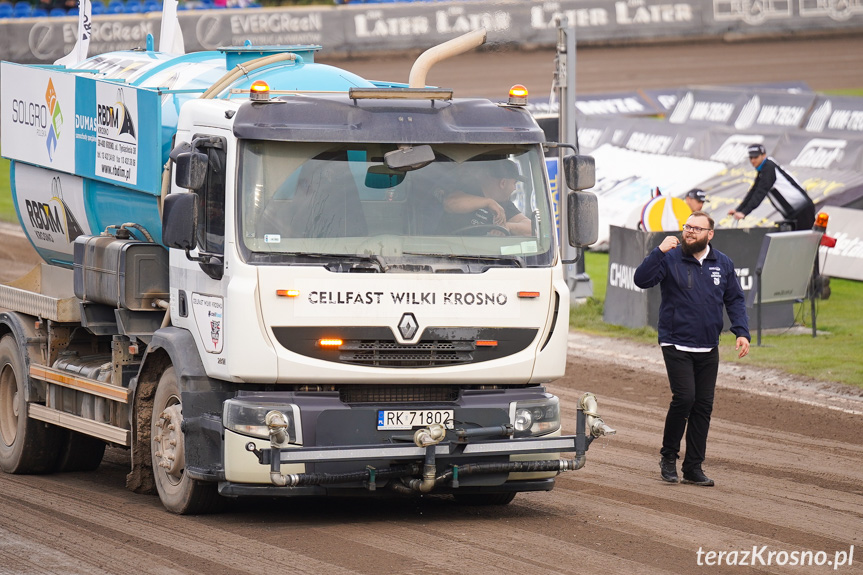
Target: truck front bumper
x=478, y=460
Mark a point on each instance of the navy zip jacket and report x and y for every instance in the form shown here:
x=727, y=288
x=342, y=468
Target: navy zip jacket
x=693, y=296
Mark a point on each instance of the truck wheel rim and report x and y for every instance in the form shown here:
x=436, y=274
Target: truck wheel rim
x=9, y=408
x=168, y=443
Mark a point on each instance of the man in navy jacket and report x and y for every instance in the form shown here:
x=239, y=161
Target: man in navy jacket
x=697, y=282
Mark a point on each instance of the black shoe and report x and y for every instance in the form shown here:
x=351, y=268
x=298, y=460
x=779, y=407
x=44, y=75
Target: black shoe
x=697, y=477
x=668, y=470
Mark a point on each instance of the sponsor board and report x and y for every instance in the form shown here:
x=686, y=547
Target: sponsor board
x=51, y=208
x=836, y=114
x=117, y=132
x=845, y=259
x=37, y=108
x=79, y=125
x=263, y=27
x=838, y=10
x=628, y=305
x=395, y=26
x=752, y=12
x=766, y=110
x=708, y=107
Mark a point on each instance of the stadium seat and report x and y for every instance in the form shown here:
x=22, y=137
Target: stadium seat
x=57, y=12
x=116, y=7
x=73, y=11
x=6, y=10
x=38, y=13
x=152, y=6
x=22, y=9
x=133, y=7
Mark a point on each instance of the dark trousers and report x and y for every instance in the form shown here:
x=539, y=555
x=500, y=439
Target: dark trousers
x=692, y=376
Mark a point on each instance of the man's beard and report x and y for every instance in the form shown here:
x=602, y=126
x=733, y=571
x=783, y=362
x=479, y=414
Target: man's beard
x=694, y=247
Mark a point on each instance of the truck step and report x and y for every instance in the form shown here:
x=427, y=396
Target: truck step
x=104, y=431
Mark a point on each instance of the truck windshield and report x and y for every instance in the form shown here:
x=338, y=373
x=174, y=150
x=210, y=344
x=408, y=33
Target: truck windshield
x=305, y=201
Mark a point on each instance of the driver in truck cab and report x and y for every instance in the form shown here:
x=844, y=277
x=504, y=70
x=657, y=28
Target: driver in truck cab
x=488, y=202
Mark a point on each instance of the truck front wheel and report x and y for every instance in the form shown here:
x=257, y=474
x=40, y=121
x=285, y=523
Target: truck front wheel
x=179, y=492
x=26, y=445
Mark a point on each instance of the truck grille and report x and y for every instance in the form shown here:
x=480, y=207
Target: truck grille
x=381, y=353
x=398, y=393
x=378, y=346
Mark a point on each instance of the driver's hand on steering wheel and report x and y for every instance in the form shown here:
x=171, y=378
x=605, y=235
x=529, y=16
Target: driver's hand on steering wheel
x=498, y=214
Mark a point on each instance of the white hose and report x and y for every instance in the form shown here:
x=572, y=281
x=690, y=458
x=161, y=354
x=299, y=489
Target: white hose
x=435, y=54
x=243, y=70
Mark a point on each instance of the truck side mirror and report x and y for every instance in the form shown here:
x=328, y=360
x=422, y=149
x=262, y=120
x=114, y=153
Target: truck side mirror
x=580, y=172
x=190, y=170
x=179, y=221
x=583, y=218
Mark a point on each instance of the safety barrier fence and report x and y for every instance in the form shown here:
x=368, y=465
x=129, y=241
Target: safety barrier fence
x=358, y=28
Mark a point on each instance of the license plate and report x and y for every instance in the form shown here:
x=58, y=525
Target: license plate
x=408, y=419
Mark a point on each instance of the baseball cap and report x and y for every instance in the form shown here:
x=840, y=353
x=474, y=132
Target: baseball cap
x=506, y=169
x=697, y=194
x=755, y=150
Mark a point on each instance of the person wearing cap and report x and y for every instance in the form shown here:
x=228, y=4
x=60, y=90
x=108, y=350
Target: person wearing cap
x=772, y=182
x=697, y=283
x=695, y=199
x=489, y=203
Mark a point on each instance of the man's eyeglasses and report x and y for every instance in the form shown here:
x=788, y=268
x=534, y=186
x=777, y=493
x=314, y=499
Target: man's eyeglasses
x=694, y=229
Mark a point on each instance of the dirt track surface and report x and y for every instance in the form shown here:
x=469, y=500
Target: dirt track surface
x=785, y=453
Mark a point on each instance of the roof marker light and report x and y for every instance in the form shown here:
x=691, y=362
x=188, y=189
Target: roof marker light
x=259, y=91
x=518, y=95
x=287, y=292
x=528, y=294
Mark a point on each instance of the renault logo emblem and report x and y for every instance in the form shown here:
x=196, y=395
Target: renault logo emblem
x=408, y=326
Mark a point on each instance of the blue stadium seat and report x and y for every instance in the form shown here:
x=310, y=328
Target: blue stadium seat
x=152, y=6
x=39, y=13
x=22, y=9
x=6, y=10
x=116, y=7
x=97, y=7
x=56, y=12
x=73, y=11
x=133, y=7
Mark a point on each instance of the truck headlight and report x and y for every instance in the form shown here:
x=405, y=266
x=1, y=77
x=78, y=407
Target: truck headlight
x=535, y=416
x=249, y=417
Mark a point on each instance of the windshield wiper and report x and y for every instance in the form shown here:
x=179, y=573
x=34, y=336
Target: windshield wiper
x=339, y=259
x=519, y=262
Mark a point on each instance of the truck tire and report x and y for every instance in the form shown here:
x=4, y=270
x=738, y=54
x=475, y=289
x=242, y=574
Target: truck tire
x=26, y=445
x=79, y=452
x=179, y=493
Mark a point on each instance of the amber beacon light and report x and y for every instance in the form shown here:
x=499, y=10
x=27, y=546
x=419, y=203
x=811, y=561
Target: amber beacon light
x=259, y=91
x=821, y=221
x=518, y=95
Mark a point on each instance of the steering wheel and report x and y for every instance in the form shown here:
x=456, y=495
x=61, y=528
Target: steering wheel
x=472, y=230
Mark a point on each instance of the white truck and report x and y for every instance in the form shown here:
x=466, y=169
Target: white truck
x=259, y=281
